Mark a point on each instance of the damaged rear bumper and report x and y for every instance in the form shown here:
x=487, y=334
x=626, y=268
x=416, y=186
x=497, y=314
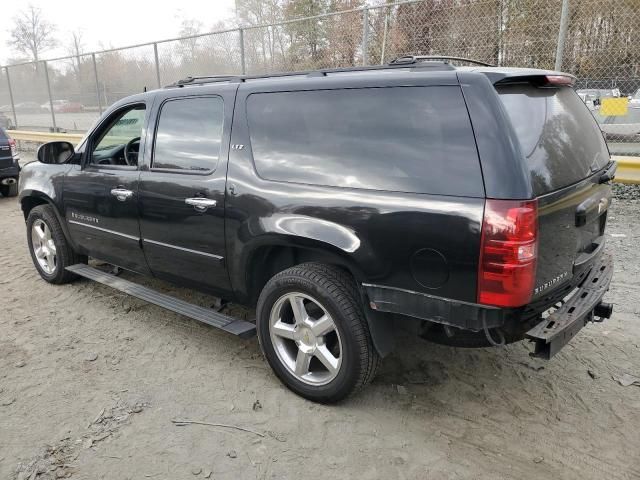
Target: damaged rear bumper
x=453, y=313
x=584, y=305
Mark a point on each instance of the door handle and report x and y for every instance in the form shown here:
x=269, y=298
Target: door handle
x=121, y=194
x=200, y=204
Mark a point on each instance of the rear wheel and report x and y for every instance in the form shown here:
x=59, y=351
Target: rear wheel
x=50, y=251
x=313, y=332
x=9, y=190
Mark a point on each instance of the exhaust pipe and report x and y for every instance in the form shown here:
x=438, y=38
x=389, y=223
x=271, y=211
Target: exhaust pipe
x=8, y=181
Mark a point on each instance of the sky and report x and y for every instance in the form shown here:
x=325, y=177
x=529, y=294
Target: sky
x=114, y=23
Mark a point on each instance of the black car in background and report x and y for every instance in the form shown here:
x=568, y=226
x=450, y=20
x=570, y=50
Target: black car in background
x=465, y=204
x=9, y=165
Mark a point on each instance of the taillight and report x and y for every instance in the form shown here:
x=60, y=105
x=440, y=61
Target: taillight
x=14, y=149
x=508, y=253
x=560, y=80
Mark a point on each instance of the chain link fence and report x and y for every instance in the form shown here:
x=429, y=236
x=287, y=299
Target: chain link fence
x=596, y=40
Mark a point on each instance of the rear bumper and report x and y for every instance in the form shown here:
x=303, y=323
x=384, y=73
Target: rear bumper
x=584, y=305
x=454, y=313
x=12, y=171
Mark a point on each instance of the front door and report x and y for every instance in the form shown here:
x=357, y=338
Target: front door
x=182, y=189
x=100, y=196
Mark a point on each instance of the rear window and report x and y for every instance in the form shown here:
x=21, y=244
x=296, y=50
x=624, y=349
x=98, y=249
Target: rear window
x=559, y=137
x=405, y=139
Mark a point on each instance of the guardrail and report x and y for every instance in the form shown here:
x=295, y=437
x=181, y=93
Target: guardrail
x=628, y=170
x=43, y=137
x=628, y=167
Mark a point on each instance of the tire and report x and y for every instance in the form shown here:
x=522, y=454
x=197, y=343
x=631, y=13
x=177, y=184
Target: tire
x=53, y=271
x=326, y=293
x=9, y=190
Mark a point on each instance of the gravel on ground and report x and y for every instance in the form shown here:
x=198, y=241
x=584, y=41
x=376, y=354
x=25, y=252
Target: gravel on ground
x=95, y=384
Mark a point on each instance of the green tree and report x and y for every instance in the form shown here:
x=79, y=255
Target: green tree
x=307, y=38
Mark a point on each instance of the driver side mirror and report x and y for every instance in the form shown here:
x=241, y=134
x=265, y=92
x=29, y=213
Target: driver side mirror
x=55, y=152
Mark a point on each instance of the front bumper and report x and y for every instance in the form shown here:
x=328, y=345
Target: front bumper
x=584, y=305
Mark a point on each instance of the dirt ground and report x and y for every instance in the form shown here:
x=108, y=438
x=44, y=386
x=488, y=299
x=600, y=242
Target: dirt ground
x=91, y=380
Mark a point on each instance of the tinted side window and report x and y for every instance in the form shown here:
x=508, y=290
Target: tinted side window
x=406, y=139
x=189, y=134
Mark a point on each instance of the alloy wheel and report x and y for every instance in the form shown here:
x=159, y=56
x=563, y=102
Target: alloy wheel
x=43, y=246
x=305, y=338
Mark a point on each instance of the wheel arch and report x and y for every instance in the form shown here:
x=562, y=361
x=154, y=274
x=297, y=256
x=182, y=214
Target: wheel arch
x=267, y=260
x=29, y=199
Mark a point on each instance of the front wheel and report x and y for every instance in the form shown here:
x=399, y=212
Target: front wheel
x=49, y=248
x=313, y=332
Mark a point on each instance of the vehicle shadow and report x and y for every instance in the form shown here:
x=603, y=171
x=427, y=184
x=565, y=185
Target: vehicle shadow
x=419, y=373
x=415, y=363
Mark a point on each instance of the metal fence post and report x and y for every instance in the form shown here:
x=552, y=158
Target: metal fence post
x=243, y=65
x=562, y=34
x=384, y=35
x=365, y=36
x=46, y=77
x=95, y=76
x=155, y=56
x=13, y=107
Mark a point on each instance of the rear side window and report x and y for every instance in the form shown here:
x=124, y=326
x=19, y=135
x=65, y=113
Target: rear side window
x=560, y=139
x=405, y=139
x=189, y=134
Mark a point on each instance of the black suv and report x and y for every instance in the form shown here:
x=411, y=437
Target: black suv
x=465, y=204
x=9, y=165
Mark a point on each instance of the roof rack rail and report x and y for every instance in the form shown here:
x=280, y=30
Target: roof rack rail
x=205, y=79
x=413, y=59
x=411, y=62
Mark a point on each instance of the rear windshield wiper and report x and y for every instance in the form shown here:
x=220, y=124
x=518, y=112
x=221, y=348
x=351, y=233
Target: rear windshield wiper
x=609, y=174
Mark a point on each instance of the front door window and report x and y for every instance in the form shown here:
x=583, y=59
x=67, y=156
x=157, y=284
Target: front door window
x=119, y=142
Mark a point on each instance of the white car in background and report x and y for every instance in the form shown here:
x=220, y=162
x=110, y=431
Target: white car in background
x=634, y=101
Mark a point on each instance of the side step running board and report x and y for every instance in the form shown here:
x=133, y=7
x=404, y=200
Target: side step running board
x=232, y=325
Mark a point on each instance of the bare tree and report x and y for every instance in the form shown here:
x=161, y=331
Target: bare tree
x=75, y=47
x=262, y=43
x=76, y=43
x=32, y=33
x=188, y=28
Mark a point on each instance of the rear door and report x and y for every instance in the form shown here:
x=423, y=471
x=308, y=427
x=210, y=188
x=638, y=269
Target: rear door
x=566, y=156
x=182, y=188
